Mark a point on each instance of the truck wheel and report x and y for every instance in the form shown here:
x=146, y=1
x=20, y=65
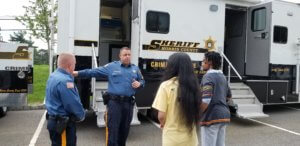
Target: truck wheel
x=3, y=111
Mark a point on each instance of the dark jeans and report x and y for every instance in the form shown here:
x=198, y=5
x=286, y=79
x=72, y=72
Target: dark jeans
x=119, y=115
x=56, y=138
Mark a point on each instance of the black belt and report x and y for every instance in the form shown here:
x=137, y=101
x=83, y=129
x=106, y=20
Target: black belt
x=121, y=98
x=61, y=122
x=55, y=117
x=59, y=117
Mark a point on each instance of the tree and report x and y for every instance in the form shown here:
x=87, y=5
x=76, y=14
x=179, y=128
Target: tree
x=36, y=19
x=41, y=56
x=20, y=38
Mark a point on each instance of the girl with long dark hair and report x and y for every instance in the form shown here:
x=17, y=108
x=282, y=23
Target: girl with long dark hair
x=177, y=101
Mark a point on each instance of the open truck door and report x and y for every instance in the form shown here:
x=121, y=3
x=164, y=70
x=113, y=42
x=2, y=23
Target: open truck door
x=257, y=55
x=258, y=40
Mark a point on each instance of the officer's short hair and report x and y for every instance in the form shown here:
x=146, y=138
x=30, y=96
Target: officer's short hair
x=124, y=48
x=64, y=59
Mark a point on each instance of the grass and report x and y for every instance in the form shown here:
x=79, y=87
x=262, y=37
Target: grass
x=40, y=76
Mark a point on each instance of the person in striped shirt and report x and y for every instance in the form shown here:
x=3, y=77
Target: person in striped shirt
x=215, y=112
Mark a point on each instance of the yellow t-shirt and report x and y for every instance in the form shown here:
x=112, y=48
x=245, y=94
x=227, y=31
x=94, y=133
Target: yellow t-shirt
x=175, y=133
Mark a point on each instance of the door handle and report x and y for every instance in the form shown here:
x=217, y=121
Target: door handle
x=272, y=92
x=264, y=35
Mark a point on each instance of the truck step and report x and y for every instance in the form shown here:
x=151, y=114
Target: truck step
x=237, y=84
x=250, y=111
x=239, y=87
x=240, y=91
x=244, y=100
x=101, y=85
x=234, y=96
x=249, y=107
x=99, y=95
x=252, y=115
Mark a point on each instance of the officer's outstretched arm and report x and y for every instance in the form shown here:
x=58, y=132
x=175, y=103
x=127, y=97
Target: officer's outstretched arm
x=96, y=72
x=71, y=100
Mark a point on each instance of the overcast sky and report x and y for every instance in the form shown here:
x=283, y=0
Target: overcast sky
x=15, y=8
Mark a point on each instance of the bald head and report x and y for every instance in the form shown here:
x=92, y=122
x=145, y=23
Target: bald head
x=66, y=61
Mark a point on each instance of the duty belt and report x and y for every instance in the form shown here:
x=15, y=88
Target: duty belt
x=59, y=117
x=55, y=117
x=122, y=98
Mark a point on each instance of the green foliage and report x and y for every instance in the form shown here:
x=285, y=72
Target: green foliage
x=20, y=38
x=40, y=76
x=36, y=19
x=41, y=57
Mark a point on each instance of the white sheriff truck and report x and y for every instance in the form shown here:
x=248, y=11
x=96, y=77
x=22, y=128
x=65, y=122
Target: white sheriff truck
x=16, y=75
x=259, y=43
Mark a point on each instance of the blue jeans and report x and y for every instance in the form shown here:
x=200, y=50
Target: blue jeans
x=213, y=135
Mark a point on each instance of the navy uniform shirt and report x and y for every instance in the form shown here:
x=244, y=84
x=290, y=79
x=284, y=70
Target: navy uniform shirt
x=62, y=96
x=120, y=77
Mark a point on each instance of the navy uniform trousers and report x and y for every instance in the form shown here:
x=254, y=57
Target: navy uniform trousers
x=67, y=138
x=119, y=116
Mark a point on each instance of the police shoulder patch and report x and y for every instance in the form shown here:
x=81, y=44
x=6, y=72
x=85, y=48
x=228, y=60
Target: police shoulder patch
x=70, y=85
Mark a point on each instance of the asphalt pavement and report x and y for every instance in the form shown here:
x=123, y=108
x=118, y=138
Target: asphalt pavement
x=20, y=128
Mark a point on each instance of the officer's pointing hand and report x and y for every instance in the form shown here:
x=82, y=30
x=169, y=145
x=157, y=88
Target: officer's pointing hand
x=135, y=84
x=75, y=73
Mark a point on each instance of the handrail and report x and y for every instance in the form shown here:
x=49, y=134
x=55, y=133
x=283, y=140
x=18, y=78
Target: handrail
x=230, y=66
x=94, y=59
x=94, y=65
x=298, y=66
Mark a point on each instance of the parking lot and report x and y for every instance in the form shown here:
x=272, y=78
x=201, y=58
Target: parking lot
x=22, y=128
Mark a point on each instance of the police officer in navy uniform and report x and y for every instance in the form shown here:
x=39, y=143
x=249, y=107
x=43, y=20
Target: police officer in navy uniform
x=124, y=79
x=63, y=104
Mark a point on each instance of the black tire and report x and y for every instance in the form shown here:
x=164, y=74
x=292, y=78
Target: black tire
x=3, y=111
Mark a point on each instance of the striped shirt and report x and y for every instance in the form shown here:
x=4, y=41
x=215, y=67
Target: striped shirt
x=215, y=90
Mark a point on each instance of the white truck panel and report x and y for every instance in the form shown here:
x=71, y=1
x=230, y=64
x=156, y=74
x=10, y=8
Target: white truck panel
x=287, y=15
x=10, y=47
x=63, y=23
x=87, y=20
x=190, y=21
x=78, y=20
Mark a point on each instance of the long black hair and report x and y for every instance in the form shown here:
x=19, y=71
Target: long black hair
x=180, y=65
